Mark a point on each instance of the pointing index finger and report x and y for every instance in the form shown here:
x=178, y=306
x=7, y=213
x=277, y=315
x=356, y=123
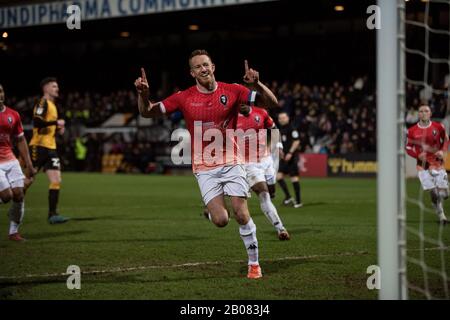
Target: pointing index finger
x=143, y=75
x=246, y=66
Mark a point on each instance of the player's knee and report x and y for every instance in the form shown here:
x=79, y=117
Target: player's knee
x=242, y=216
x=6, y=196
x=220, y=221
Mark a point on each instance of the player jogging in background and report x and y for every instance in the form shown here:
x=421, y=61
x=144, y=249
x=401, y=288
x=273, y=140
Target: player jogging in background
x=46, y=125
x=11, y=176
x=215, y=105
x=427, y=142
x=289, y=160
x=261, y=173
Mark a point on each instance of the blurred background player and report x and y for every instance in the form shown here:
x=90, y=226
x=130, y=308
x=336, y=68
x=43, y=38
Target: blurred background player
x=11, y=176
x=427, y=142
x=43, y=144
x=215, y=105
x=289, y=159
x=261, y=173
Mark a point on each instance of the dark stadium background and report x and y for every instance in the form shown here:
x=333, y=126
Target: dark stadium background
x=285, y=40
x=143, y=221
x=306, y=42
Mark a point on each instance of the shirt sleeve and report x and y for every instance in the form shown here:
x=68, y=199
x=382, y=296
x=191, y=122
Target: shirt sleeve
x=444, y=138
x=171, y=103
x=268, y=121
x=410, y=149
x=40, y=110
x=18, y=129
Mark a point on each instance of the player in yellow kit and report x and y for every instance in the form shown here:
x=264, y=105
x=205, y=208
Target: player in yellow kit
x=43, y=144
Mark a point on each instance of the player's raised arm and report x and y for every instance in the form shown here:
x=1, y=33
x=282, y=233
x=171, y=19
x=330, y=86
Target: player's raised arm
x=146, y=108
x=265, y=97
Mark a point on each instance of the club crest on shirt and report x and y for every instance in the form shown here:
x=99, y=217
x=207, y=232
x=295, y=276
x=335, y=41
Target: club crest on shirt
x=434, y=132
x=10, y=120
x=257, y=119
x=223, y=99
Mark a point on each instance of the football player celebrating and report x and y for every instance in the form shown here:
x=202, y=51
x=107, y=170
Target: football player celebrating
x=210, y=104
x=11, y=176
x=427, y=142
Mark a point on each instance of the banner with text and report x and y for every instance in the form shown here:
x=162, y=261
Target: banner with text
x=56, y=12
x=352, y=165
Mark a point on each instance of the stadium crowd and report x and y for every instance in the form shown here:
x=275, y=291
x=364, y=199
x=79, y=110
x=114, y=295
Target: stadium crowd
x=334, y=119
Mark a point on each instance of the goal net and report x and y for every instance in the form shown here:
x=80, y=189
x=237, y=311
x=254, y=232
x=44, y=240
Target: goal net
x=413, y=67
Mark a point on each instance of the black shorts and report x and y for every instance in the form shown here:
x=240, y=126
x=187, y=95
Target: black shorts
x=289, y=167
x=44, y=158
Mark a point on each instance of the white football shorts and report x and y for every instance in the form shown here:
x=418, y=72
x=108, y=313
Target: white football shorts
x=11, y=175
x=431, y=179
x=261, y=172
x=227, y=180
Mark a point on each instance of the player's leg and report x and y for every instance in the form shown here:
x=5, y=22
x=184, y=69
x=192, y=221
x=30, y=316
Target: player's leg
x=296, y=184
x=428, y=184
x=5, y=195
x=213, y=196
x=442, y=193
x=16, y=211
x=269, y=210
x=271, y=188
x=217, y=211
x=257, y=181
x=280, y=178
x=247, y=230
x=235, y=185
x=294, y=175
x=270, y=181
x=54, y=177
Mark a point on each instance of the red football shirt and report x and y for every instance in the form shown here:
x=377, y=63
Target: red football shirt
x=255, y=138
x=208, y=115
x=10, y=126
x=428, y=139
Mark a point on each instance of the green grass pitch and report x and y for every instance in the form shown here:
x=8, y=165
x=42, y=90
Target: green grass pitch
x=147, y=239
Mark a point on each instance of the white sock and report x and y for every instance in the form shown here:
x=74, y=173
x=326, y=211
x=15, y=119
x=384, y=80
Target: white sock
x=248, y=235
x=440, y=206
x=16, y=213
x=13, y=227
x=270, y=211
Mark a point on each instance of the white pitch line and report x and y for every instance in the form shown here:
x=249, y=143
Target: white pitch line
x=189, y=264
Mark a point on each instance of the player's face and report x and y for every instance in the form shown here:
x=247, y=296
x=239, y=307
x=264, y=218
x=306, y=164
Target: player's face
x=2, y=96
x=424, y=113
x=202, y=69
x=52, y=89
x=283, y=119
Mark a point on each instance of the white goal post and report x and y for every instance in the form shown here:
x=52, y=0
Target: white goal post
x=391, y=214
